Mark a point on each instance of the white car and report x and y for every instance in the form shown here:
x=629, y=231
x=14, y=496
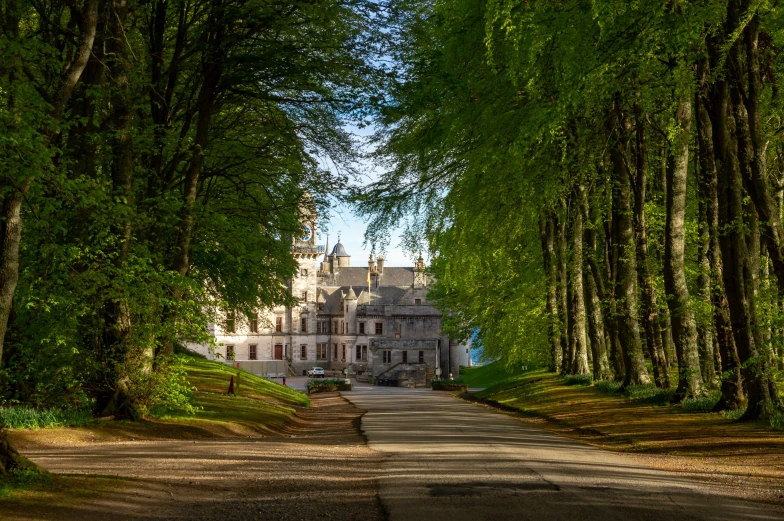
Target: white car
x=316, y=372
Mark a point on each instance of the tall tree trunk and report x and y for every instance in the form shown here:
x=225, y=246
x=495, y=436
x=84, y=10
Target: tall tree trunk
x=563, y=308
x=626, y=283
x=578, y=335
x=649, y=311
x=594, y=294
x=684, y=327
x=547, y=234
x=731, y=387
x=611, y=266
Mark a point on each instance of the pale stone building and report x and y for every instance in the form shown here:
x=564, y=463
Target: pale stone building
x=373, y=319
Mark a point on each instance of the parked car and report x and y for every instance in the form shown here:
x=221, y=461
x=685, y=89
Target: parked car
x=316, y=372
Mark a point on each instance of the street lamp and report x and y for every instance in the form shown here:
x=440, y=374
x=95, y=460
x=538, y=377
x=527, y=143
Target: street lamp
x=438, y=373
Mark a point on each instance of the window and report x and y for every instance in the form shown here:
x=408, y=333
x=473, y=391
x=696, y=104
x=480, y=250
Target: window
x=344, y=352
x=346, y=307
x=421, y=357
x=321, y=351
x=364, y=353
x=230, y=324
x=253, y=326
x=397, y=335
x=252, y=352
x=342, y=328
x=359, y=353
x=321, y=306
x=305, y=296
x=361, y=328
x=279, y=324
x=336, y=327
x=303, y=272
x=379, y=328
x=229, y=352
x=335, y=352
x=303, y=352
x=417, y=301
x=387, y=356
x=405, y=357
x=304, y=324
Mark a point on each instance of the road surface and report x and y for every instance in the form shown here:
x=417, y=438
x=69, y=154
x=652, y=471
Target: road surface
x=446, y=459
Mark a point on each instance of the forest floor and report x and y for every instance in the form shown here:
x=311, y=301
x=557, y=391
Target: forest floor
x=316, y=466
x=707, y=446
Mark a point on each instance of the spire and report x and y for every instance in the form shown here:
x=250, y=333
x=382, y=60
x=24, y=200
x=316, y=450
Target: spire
x=326, y=249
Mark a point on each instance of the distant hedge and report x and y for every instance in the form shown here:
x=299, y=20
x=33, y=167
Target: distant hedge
x=446, y=385
x=327, y=386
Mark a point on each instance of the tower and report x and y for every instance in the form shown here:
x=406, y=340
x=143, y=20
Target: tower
x=420, y=279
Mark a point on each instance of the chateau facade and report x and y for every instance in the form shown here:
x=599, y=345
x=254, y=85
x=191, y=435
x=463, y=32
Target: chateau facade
x=374, y=320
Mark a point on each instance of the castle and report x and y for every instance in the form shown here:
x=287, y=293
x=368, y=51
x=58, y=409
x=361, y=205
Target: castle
x=373, y=320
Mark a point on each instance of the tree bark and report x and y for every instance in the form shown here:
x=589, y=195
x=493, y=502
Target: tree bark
x=578, y=336
x=684, y=327
x=731, y=387
x=594, y=293
x=649, y=311
x=563, y=308
x=626, y=283
x=547, y=234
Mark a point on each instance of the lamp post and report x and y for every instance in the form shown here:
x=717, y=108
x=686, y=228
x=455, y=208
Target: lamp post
x=438, y=373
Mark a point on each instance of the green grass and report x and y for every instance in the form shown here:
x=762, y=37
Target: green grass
x=702, y=403
x=488, y=375
x=214, y=377
x=21, y=480
x=259, y=403
x=578, y=379
x=26, y=417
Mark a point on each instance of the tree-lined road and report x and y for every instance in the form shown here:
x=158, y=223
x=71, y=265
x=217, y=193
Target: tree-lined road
x=446, y=459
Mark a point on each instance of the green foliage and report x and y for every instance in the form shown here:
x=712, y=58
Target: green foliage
x=777, y=420
x=608, y=386
x=734, y=414
x=578, y=379
x=700, y=404
x=27, y=417
x=321, y=385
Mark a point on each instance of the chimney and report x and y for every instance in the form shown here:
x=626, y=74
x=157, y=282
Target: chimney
x=371, y=264
x=381, y=265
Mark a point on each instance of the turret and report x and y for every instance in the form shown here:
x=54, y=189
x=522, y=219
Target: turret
x=380, y=265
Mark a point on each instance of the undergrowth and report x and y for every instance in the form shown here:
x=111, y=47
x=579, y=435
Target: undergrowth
x=578, y=379
x=26, y=417
x=701, y=403
x=21, y=479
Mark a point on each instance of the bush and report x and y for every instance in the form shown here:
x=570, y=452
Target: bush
x=733, y=414
x=701, y=404
x=578, y=379
x=608, y=386
x=777, y=421
x=448, y=385
x=327, y=386
x=649, y=393
x=26, y=417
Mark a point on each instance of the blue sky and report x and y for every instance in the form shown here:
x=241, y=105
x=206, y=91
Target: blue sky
x=352, y=228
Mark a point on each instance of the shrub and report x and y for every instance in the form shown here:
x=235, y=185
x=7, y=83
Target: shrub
x=733, y=414
x=649, y=393
x=578, y=379
x=327, y=386
x=777, y=421
x=607, y=386
x=701, y=403
x=448, y=385
x=26, y=417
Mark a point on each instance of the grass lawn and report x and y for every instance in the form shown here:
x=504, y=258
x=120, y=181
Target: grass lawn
x=488, y=375
x=262, y=407
x=662, y=434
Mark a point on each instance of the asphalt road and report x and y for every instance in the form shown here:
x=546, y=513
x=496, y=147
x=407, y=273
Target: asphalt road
x=446, y=459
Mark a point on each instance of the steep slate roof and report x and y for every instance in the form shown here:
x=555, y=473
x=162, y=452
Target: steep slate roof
x=384, y=295
x=357, y=276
